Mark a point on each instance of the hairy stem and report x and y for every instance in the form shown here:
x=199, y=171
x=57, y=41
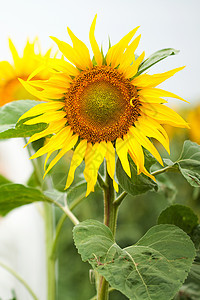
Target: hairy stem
x=157, y=172
x=110, y=220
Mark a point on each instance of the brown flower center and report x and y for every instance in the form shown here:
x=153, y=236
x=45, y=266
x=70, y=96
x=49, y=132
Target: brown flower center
x=98, y=105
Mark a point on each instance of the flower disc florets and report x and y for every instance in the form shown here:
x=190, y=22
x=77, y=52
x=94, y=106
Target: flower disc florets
x=98, y=104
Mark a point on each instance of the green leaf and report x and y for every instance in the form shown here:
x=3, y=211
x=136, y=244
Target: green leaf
x=189, y=163
x=155, y=58
x=179, y=215
x=154, y=268
x=9, y=115
x=137, y=184
x=15, y=195
x=166, y=187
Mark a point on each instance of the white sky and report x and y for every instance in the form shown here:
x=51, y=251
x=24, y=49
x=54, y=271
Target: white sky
x=164, y=24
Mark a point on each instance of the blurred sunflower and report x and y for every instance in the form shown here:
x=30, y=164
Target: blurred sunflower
x=10, y=87
x=99, y=107
x=194, y=121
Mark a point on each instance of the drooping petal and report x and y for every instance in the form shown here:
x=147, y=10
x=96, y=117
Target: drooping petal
x=94, y=45
x=150, y=131
x=70, y=142
x=94, y=157
x=122, y=152
x=77, y=159
x=136, y=152
x=145, y=80
x=145, y=142
x=110, y=162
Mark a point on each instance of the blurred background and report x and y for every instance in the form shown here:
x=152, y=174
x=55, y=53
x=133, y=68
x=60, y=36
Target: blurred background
x=164, y=24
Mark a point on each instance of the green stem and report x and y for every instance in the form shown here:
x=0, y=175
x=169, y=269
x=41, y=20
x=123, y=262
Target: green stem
x=157, y=172
x=119, y=199
x=20, y=280
x=109, y=290
x=49, y=228
x=110, y=220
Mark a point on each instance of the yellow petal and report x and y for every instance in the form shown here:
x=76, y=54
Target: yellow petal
x=77, y=159
x=164, y=115
x=54, y=127
x=64, y=66
x=94, y=45
x=110, y=162
x=69, y=144
x=33, y=91
x=115, y=52
x=128, y=57
x=94, y=157
x=148, y=174
x=132, y=70
x=154, y=92
x=135, y=151
x=81, y=50
x=145, y=142
x=122, y=151
x=47, y=118
x=56, y=142
x=68, y=52
x=152, y=100
x=15, y=55
x=42, y=108
x=145, y=80
x=150, y=131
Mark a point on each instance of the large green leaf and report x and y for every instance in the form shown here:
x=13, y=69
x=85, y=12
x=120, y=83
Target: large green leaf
x=137, y=184
x=188, y=163
x=9, y=115
x=153, y=269
x=15, y=195
x=155, y=58
x=179, y=215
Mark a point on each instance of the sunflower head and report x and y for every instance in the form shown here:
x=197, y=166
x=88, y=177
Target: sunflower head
x=101, y=109
x=10, y=87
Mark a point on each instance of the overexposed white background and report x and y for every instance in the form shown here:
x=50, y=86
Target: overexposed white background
x=164, y=23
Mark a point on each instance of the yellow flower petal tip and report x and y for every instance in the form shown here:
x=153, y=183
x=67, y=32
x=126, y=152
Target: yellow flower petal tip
x=101, y=110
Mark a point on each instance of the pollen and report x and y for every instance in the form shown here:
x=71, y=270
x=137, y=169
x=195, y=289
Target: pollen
x=101, y=105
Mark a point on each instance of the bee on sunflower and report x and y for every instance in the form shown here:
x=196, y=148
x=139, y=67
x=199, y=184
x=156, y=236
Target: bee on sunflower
x=101, y=107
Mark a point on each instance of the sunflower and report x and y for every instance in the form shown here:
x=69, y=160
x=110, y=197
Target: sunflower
x=194, y=121
x=10, y=87
x=100, y=108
